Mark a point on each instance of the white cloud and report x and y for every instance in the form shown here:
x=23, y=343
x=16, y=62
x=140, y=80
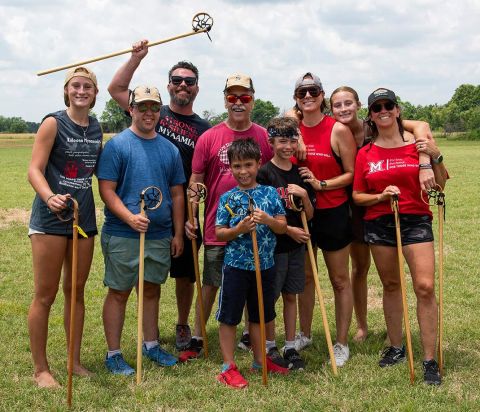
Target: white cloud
x=422, y=49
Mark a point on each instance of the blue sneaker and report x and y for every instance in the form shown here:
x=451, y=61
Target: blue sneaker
x=159, y=355
x=117, y=365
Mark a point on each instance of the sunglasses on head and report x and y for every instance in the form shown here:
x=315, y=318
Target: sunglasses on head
x=314, y=91
x=144, y=107
x=377, y=107
x=244, y=98
x=189, y=81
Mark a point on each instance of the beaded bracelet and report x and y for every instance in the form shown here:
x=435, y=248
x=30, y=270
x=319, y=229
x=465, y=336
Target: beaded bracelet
x=425, y=166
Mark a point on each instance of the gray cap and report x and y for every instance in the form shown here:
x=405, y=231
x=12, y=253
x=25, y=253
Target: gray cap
x=308, y=79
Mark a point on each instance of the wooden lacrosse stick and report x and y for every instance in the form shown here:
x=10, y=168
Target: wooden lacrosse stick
x=197, y=193
x=201, y=23
x=438, y=197
x=299, y=208
x=150, y=199
x=73, y=303
x=408, y=336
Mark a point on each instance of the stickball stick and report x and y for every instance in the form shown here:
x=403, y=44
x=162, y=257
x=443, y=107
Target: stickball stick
x=394, y=204
x=197, y=193
x=150, y=199
x=201, y=23
x=73, y=303
x=321, y=302
x=441, y=218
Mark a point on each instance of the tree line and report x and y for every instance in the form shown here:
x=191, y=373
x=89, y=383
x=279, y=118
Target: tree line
x=460, y=114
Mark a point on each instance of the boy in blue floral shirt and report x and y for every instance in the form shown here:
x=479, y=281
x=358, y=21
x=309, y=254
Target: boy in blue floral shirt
x=233, y=225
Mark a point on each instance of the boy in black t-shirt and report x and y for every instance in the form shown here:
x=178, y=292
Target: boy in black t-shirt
x=282, y=174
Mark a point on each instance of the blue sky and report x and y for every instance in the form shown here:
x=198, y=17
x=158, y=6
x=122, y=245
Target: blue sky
x=421, y=49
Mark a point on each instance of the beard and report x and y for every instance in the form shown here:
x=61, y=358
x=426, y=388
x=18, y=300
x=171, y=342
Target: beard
x=182, y=101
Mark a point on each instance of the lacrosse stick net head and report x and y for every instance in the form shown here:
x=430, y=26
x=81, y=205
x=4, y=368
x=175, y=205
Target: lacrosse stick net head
x=202, y=21
x=240, y=204
x=152, y=197
x=197, y=193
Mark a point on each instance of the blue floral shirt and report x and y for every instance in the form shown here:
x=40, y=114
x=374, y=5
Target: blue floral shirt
x=232, y=208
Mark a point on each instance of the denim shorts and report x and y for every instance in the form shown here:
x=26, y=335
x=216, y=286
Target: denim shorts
x=413, y=229
x=121, y=261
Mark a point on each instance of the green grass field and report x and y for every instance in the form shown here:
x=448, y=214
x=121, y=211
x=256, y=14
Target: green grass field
x=360, y=386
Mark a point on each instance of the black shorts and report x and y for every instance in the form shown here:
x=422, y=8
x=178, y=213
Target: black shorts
x=358, y=229
x=413, y=229
x=240, y=285
x=182, y=266
x=331, y=229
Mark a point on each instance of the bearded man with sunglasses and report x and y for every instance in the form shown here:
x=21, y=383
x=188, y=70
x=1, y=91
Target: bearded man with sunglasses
x=180, y=125
x=210, y=166
x=131, y=161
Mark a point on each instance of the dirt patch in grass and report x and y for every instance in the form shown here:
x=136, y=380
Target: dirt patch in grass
x=9, y=217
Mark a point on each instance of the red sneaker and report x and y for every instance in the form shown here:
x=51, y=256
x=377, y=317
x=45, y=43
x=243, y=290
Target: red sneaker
x=192, y=351
x=272, y=368
x=232, y=377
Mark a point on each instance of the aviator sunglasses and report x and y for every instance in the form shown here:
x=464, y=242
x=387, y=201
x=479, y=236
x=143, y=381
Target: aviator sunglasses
x=244, y=98
x=302, y=92
x=143, y=107
x=189, y=81
x=377, y=107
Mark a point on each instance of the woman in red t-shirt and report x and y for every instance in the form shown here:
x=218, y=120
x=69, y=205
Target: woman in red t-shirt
x=328, y=167
x=388, y=166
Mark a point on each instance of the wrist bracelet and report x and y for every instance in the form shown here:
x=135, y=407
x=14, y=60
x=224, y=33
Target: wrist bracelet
x=425, y=166
x=49, y=197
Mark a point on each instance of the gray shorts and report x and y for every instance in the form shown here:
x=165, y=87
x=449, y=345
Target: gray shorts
x=121, y=261
x=290, y=272
x=212, y=265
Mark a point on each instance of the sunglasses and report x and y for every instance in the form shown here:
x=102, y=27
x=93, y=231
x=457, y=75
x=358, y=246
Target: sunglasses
x=144, y=107
x=313, y=91
x=377, y=107
x=244, y=98
x=189, y=81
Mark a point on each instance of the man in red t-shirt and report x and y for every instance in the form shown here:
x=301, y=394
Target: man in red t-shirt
x=210, y=166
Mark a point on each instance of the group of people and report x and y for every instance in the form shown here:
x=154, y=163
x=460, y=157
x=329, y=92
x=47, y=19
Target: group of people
x=341, y=169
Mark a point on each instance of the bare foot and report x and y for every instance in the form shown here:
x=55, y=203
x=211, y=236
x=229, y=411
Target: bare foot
x=46, y=380
x=80, y=370
x=361, y=335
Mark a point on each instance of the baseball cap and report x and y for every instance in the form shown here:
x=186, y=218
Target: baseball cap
x=308, y=79
x=144, y=94
x=81, y=71
x=381, y=94
x=238, y=79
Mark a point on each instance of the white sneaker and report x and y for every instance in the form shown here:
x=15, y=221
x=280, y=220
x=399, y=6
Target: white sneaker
x=341, y=353
x=301, y=341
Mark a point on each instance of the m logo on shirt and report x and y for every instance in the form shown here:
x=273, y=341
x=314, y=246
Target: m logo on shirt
x=375, y=167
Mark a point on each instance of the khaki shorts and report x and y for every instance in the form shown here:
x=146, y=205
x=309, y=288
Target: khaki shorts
x=212, y=265
x=121, y=261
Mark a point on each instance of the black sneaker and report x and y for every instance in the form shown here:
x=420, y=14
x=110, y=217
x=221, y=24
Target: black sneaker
x=192, y=351
x=276, y=358
x=245, y=343
x=391, y=356
x=431, y=374
x=294, y=360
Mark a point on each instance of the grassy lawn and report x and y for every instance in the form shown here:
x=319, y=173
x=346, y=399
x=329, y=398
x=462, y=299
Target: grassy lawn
x=360, y=386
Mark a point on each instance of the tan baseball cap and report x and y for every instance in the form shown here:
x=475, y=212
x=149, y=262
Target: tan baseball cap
x=81, y=71
x=144, y=94
x=239, y=79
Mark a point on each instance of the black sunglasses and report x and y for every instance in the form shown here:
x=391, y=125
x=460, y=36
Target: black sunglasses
x=314, y=91
x=377, y=107
x=189, y=81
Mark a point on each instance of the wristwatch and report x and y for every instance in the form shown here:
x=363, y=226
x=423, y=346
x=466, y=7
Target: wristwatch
x=438, y=160
x=323, y=184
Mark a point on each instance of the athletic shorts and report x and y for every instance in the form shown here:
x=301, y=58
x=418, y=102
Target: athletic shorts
x=290, y=272
x=332, y=228
x=413, y=229
x=358, y=229
x=90, y=233
x=240, y=285
x=212, y=265
x=121, y=261
x=182, y=266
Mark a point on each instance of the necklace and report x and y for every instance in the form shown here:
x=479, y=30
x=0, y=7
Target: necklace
x=85, y=130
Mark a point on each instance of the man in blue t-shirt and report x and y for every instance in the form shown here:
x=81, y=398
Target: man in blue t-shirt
x=133, y=160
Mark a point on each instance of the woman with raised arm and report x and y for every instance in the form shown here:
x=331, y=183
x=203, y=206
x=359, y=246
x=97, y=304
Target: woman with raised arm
x=64, y=157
